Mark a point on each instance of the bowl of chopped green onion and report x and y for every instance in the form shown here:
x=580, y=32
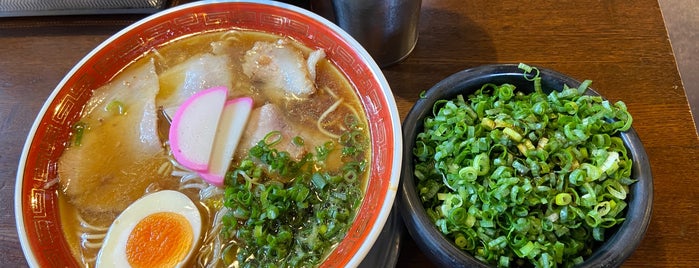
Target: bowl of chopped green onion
x=511, y=165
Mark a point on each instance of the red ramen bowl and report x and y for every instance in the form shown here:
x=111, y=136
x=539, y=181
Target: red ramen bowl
x=36, y=197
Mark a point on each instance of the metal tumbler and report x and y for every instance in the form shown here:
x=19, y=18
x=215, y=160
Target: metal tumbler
x=387, y=29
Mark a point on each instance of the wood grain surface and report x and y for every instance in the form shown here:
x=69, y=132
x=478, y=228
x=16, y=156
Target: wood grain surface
x=621, y=45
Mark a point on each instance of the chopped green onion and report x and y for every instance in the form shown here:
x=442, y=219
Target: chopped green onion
x=116, y=107
x=517, y=178
x=298, y=220
x=423, y=94
x=79, y=129
x=563, y=199
x=298, y=141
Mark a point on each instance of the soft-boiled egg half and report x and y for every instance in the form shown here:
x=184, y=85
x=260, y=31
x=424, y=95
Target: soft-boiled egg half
x=161, y=229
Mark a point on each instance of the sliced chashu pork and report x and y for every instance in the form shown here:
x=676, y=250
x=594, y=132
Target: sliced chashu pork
x=200, y=72
x=268, y=118
x=119, y=154
x=281, y=69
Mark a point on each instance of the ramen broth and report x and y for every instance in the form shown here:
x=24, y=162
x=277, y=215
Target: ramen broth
x=84, y=224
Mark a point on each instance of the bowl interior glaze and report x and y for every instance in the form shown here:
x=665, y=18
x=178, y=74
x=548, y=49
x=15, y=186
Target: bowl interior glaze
x=36, y=193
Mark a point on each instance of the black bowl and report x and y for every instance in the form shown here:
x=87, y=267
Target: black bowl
x=618, y=246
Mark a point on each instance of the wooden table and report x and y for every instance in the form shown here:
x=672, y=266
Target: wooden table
x=621, y=45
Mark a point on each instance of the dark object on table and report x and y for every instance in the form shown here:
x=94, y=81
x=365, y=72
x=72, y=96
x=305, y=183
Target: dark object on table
x=621, y=240
x=9, y=8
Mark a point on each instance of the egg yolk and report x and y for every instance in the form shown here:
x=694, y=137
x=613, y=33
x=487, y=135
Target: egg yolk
x=159, y=240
